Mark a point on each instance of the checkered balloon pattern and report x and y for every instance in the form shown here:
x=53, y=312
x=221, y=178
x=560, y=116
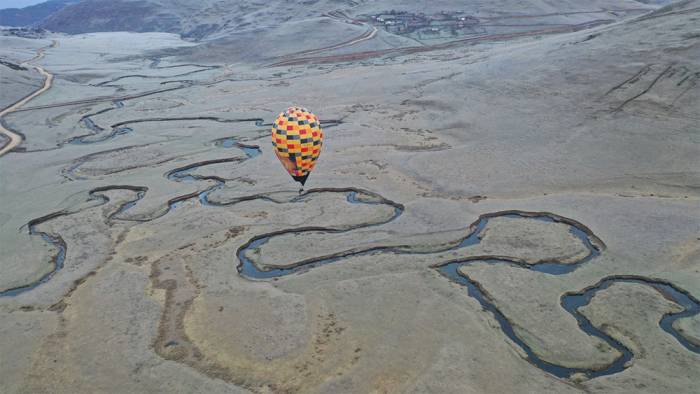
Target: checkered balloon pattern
x=297, y=138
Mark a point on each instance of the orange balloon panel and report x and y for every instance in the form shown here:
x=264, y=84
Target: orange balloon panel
x=297, y=138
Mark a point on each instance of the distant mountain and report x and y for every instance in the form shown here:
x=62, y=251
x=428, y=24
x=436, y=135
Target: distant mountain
x=32, y=15
x=18, y=3
x=90, y=16
x=189, y=18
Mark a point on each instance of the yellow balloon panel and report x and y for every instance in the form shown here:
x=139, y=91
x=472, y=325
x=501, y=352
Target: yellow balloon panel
x=297, y=138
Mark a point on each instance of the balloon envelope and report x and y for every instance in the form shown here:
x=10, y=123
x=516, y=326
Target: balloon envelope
x=297, y=139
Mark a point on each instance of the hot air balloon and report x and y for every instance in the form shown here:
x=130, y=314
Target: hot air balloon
x=297, y=138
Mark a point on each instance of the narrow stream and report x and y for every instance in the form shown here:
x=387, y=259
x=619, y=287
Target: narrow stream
x=250, y=270
x=57, y=261
x=571, y=302
x=185, y=173
x=56, y=241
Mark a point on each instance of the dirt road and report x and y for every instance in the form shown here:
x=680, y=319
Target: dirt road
x=14, y=138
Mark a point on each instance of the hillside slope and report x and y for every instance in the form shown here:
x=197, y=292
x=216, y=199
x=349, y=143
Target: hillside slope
x=216, y=17
x=32, y=15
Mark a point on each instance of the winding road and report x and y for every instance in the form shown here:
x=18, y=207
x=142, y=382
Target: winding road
x=14, y=138
x=356, y=56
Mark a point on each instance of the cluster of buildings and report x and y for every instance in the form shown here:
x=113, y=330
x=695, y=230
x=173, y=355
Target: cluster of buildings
x=403, y=22
x=24, y=32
